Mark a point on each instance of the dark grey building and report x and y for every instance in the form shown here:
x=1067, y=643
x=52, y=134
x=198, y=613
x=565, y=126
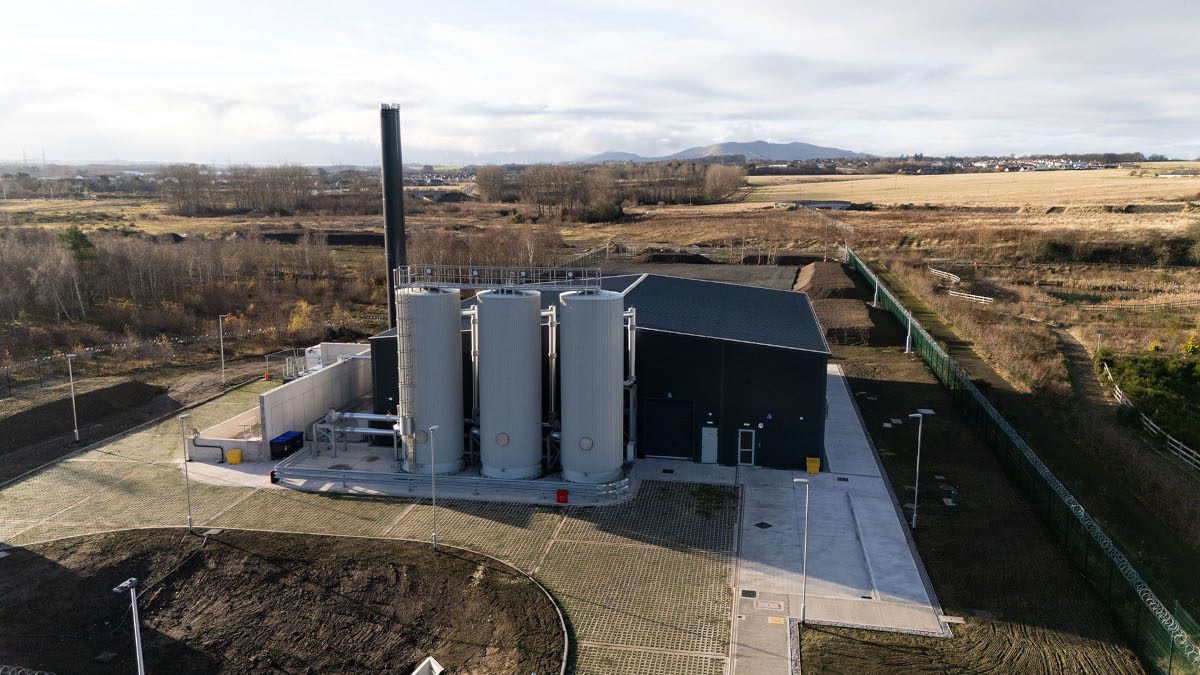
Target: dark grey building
x=725, y=373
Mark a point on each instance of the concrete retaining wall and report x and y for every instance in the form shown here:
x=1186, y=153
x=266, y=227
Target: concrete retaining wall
x=297, y=404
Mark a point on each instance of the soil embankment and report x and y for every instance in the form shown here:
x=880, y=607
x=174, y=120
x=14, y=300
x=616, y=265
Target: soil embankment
x=241, y=602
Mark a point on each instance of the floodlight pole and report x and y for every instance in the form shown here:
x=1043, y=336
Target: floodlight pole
x=804, y=555
x=187, y=483
x=221, y=333
x=71, y=377
x=433, y=478
x=131, y=585
x=917, y=481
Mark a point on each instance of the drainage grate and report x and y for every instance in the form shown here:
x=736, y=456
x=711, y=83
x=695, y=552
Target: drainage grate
x=762, y=525
x=749, y=594
x=668, y=470
x=843, y=479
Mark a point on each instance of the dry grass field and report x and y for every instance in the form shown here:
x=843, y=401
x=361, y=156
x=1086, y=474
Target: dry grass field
x=1046, y=188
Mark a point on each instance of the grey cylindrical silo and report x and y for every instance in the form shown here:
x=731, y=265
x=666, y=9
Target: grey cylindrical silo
x=593, y=364
x=434, y=322
x=510, y=384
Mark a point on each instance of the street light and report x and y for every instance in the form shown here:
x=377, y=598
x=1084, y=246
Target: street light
x=920, y=415
x=804, y=555
x=187, y=483
x=221, y=333
x=130, y=585
x=433, y=476
x=71, y=376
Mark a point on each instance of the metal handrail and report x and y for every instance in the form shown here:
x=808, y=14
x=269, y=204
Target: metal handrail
x=485, y=277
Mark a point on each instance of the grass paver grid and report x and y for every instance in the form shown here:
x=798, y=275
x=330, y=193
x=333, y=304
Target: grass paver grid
x=677, y=515
x=641, y=596
x=514, y=533
x=292, y=511
x=594, y=660
x=151, y=494
x=59, y=487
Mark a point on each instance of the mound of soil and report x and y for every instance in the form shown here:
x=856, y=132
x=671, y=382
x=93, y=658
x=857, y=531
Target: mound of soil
x=241, y=602
x=824, y=280
x=54, y=418
x=845, y=321
x=685, y=258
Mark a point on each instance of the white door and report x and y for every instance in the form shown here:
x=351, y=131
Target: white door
x=708, y=445
x=745, y=446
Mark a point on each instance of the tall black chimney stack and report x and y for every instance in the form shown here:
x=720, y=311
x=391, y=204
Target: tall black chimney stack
x=393, y=200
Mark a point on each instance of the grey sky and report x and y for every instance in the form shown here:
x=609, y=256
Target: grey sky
x=266, y=82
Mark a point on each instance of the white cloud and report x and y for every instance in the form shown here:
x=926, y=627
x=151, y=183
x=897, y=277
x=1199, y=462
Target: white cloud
x=258, y=82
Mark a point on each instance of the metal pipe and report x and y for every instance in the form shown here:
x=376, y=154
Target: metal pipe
x=473, y=314
x=552, y=354
x=631, y=382
x=392, y=176
x=631, y=344
x=371, y=417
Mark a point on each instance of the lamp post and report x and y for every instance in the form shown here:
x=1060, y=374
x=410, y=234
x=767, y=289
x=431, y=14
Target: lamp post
x=221, y=333
x=433, y=477
x=804, y=555
x=187, y=483
x=920, y=415
x=71, y=377
x=130, y=585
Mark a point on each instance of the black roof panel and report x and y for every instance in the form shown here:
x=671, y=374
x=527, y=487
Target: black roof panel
x=726, y=311
x=715, y=309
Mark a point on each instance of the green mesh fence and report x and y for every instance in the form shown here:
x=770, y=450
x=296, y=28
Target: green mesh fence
x=1157, y=627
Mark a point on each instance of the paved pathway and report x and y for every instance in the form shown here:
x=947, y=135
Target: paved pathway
x=862, y=568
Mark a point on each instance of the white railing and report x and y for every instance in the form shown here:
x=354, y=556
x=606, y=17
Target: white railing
x=1187, y=454
x=945, y=275
x=983, y=299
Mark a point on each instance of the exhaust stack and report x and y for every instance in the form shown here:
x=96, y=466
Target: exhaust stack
x=393, y=199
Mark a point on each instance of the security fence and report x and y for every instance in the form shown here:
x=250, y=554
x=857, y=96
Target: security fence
x=1158, y=629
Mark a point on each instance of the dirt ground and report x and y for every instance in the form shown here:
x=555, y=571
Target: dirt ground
x=242, y=602
x=38, y=429
x=990, y=559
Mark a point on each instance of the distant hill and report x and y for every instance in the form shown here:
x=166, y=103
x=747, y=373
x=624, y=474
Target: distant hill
x=749, y=149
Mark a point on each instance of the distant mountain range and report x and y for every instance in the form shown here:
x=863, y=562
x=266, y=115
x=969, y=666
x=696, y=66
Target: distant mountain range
x=749, y=149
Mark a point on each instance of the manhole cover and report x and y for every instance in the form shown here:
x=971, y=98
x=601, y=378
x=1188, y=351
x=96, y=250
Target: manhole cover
x=749, y=594
x=768, y=604
x=762, y=525
x=668, y=470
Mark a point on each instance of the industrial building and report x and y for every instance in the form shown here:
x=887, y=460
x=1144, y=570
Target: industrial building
x=719, y=373
x=546, y=379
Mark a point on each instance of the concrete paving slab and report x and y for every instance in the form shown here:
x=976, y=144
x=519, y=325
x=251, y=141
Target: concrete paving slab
x=846, y=446
x=862, y=570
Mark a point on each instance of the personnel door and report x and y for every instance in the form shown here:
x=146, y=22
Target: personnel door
x=745, y=447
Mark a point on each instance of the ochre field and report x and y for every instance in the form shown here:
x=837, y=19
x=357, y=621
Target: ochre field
x=1045, y=188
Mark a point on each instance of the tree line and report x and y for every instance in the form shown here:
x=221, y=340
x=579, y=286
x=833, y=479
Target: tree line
x=597, y=192
x=197, y=190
